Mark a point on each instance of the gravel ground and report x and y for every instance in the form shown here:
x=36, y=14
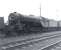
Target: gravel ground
x=19, y=38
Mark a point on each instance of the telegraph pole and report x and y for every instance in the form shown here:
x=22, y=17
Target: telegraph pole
x=40, y=10
x=57, y=16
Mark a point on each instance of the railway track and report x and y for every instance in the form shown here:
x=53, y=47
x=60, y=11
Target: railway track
x=29, y=42
x=56, y=46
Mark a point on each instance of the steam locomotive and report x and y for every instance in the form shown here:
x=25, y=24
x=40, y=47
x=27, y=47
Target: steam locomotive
x=19, y=24
x=22, y=23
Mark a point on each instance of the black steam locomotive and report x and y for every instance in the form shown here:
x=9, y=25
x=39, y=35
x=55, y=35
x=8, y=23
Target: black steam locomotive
x=19, y=24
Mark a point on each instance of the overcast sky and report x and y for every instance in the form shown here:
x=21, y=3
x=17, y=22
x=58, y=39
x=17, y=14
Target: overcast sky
x=49, y=8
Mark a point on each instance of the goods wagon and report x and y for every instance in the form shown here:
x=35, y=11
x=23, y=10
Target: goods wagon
x=59, y=25
x=53, y=25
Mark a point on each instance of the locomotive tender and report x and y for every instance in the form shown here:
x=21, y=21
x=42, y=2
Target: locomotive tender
x=23, y=23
